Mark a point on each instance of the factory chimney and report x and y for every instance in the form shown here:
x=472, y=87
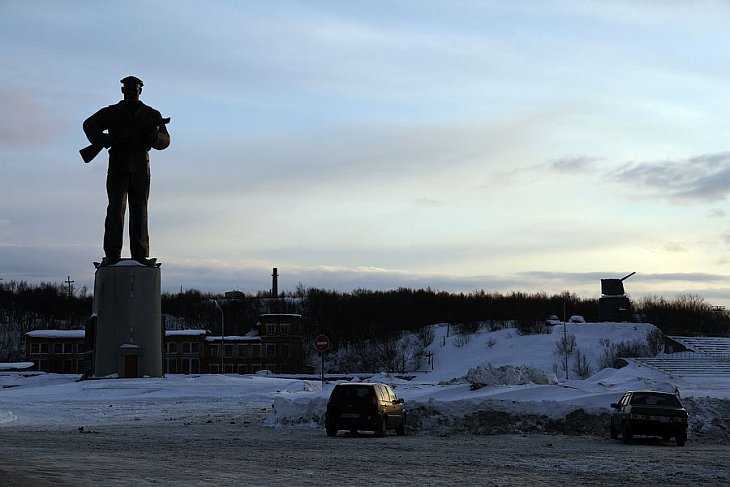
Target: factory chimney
x=274, y=284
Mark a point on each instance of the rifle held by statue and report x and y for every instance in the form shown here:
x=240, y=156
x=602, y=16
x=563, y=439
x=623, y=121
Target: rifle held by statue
x=89, y=152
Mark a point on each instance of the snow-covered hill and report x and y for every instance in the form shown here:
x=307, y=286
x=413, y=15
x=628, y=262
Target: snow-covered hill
x=455, y=355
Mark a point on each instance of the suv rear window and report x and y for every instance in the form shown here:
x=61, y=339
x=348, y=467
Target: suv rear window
x=351, y=392
x=655, y=400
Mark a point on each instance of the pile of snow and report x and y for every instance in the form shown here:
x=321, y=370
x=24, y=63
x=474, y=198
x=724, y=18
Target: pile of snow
x=480, y=376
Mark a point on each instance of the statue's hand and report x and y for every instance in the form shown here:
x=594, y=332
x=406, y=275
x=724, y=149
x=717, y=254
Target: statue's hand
x=107, y=140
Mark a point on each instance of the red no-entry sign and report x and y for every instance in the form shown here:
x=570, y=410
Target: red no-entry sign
x=322, y=343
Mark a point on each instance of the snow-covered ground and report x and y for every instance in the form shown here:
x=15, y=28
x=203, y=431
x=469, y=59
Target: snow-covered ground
x=520, y=375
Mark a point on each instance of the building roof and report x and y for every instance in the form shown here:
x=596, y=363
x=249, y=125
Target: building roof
x=233, y=338
x=57, y=333
x=176, y=333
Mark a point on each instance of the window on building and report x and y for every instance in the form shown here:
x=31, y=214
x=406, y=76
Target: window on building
x=58, y=348
x=172, y=348
x=228, y=349
x=228, y=369
x=214, y=351
x=284, y=328
x=194, y=347
x=81, y=348
x=271, y=350
x=284, y=350
x=190, y=366
x=242, y=369
x=68, y=348
x=214, y=368
x=44, y=348
x=35, y=348
x=186, y=347
x=255, y=350
x=171, y=365
x=270, y=328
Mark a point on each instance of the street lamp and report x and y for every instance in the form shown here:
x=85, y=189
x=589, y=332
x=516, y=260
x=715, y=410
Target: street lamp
x=223, y=330
x=565, y=341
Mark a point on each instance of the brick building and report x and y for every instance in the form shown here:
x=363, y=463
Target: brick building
x=57, y=351
x=276, y=343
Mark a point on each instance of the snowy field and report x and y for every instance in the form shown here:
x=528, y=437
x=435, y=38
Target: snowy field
x=518, y=374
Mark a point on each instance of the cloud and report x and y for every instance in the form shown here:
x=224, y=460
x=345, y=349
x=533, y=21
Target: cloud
x=582, y=164
x=26, y=120
x=356, y=155
x=717, y=213
x=572, y=165
x=686, y=277
x=673, y=247
x=699, y=179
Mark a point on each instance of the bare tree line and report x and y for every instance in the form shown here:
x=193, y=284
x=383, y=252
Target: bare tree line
x=350, y=319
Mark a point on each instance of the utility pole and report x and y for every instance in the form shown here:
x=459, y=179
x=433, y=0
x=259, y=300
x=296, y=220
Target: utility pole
x=70, y=287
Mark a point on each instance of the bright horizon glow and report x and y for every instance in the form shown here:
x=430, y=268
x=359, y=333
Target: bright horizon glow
x=512, y=146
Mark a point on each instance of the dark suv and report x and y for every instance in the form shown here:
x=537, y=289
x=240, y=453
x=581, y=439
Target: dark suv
x=649, y=413
x=364, y=406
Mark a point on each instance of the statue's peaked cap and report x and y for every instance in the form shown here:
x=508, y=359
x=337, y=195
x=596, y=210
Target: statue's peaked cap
x=131, y=80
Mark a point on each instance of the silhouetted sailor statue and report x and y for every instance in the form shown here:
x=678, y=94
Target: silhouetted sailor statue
x=129, y=130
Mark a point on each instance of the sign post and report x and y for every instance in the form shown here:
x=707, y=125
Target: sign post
x=322, y=344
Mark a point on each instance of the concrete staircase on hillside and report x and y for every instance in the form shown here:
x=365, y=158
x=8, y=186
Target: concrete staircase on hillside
x=715, y=346
x=687, y=367
x=706, y=357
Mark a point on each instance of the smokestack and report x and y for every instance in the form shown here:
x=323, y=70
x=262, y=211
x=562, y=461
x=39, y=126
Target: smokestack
x=274, y=284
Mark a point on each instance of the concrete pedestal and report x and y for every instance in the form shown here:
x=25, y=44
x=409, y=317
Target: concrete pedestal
x=614, y=308
x=128, y=335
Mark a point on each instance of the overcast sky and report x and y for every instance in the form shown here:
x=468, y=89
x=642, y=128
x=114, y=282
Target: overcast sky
x=505, y=146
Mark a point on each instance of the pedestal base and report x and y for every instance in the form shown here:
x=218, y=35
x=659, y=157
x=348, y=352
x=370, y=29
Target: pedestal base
x=128, y=335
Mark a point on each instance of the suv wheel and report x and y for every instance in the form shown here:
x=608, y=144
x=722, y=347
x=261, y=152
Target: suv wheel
x=381, y=427
x=627, y=435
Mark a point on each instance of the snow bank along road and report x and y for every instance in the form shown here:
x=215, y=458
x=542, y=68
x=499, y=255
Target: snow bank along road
x=225, y=449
